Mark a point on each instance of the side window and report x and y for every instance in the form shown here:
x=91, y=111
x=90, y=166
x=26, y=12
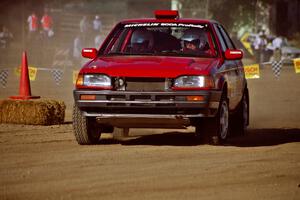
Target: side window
x=109, y=43
x=221, y=39
x=228, y=41
x=118, y=42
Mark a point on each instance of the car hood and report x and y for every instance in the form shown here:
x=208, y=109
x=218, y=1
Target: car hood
x=150, y=66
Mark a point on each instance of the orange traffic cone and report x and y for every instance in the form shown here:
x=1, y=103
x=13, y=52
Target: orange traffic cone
x=25, y=91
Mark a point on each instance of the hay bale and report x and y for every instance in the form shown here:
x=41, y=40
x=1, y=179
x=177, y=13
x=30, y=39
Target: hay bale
x=33, y=112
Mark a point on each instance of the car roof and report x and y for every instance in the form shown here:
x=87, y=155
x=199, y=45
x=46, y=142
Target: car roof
x=180, y=20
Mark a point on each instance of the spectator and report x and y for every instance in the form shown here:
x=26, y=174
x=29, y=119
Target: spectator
x=259, y=46
x=84, y=25
x=97, y=25
x=32, y=26
x=269, y=50
x=77, y=47
x=98, y=41
x=277, y=42
x=5, y=37
x=47, y=24
x=277, y=45
x=84, y=28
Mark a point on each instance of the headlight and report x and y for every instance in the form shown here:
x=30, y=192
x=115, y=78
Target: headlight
x=193, y=82
x=98, y=80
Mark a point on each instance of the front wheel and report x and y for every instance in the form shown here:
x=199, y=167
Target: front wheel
x=215, y=130
x=219, y=130
x=86, y=130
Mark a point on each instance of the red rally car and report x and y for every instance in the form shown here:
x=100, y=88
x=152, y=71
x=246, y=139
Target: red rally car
x=162, y=72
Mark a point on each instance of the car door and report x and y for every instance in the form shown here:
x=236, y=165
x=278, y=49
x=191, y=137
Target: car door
x=232, y=70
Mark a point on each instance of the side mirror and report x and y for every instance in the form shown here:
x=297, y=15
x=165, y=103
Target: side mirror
x=89, y=53
x=233, y=54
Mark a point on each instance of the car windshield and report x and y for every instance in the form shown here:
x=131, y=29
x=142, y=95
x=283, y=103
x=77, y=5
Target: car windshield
x=162, y=39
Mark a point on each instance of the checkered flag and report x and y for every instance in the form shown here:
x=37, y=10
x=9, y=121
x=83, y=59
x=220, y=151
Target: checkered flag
x=3, y=77
x=276, y=67
x=57, y=75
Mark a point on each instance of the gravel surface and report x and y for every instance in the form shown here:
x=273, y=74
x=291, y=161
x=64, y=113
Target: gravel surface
x=45, y=162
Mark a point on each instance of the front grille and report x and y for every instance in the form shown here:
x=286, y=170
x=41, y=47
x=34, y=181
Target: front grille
x=144, y=84
x=141, y=97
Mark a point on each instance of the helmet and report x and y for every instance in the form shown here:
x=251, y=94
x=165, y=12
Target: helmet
x=142, y=41
x=195, y=36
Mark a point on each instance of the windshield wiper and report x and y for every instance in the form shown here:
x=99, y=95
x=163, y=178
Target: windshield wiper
x=169, y=52
x=131, y=54
x=117, y=53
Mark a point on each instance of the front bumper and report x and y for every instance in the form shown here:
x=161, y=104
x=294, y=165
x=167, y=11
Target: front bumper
x=147, y=109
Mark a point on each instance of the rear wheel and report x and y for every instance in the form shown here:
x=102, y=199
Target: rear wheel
x=240, y=120
x=86, y=130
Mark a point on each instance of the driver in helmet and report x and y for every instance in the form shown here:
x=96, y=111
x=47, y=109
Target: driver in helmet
x=141, y=41
x=194, y=41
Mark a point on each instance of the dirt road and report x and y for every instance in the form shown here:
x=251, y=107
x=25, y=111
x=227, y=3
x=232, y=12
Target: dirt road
x=46, y=163
x=39, y=162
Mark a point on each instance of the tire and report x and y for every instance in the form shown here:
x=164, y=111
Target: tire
x=215, y=130
x=240, y=120
x=86, y=130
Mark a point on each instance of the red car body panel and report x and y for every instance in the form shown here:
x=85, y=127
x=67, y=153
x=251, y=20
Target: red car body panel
x=148, y=66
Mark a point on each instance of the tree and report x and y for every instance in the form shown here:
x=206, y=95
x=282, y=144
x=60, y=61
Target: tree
x=233, y=14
